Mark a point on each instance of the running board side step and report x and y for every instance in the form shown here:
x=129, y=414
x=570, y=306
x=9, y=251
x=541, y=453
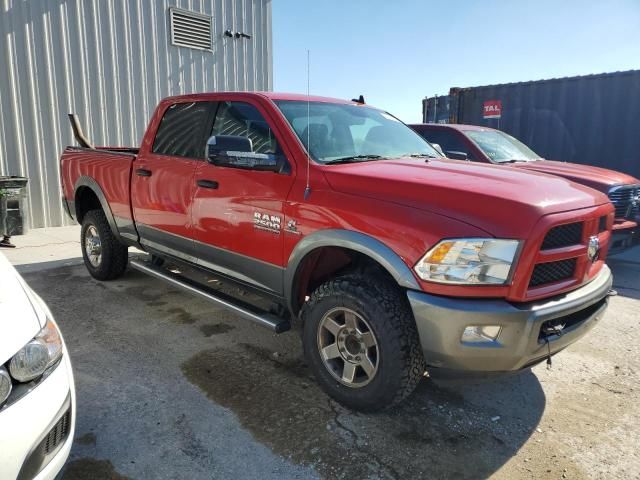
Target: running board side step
x=268, y=320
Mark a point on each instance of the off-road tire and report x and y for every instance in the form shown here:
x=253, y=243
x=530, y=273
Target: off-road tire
x=400, y=364
x=114, y=254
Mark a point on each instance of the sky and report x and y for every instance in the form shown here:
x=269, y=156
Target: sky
x=396, y=52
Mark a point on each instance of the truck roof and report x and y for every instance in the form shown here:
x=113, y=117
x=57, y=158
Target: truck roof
x=271, y=95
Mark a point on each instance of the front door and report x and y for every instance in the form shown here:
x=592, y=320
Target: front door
x=163, y=185
x=238, y=217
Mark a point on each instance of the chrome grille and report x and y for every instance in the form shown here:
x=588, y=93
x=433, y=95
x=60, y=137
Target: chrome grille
x=626, y=200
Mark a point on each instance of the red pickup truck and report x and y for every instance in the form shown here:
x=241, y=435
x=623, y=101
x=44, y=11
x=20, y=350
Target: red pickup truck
x=392, y=258
x=487, y=145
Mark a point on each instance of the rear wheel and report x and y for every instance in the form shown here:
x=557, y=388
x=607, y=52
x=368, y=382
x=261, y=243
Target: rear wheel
x=104, y=256
x=361, y=342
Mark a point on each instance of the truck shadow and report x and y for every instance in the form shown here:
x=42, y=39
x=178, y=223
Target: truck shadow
x=276, y=398
x=444, y=430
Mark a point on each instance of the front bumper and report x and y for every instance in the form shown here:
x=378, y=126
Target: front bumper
x=29, y=427
x=442, y=320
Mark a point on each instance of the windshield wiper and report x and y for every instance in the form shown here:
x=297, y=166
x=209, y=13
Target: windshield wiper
x=421, y=155
x=354, y=159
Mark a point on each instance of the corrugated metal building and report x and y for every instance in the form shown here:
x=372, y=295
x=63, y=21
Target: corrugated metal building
x=111, y=61
x=590, y=119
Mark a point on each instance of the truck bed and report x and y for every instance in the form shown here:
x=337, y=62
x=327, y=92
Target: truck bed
x=112, y=165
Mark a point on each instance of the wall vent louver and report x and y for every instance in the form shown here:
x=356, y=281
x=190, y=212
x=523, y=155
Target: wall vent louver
x=190, y=29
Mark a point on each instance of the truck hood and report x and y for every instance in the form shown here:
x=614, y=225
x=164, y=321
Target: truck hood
x=503, y=201
x=20, y=315
x=601, y=179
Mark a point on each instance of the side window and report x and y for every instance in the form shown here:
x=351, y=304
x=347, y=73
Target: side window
x=244, y=120
x=181, y=129
x=449, y=141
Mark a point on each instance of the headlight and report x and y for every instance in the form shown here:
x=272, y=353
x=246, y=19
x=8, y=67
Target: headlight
x=37, y=355
x=474, y=261
x=5, y=384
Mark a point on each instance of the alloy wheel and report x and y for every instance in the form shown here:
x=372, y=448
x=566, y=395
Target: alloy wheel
x=93, y=246
x=348, y=347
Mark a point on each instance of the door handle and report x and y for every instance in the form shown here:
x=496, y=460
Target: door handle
x=207, y=184
x=142, y=172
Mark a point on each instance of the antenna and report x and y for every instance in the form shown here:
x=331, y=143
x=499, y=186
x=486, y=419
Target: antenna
x=307, y=188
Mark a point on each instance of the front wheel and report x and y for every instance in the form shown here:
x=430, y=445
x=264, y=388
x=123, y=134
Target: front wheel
x=361, y=342
x=104, y=256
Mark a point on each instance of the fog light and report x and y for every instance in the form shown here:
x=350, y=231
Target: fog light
x=481, y=333
x=5, y=384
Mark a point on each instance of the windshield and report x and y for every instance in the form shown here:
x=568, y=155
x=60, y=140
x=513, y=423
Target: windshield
x=343, y=132
x=500, y=147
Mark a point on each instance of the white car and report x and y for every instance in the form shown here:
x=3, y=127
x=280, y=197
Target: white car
x=37, y=394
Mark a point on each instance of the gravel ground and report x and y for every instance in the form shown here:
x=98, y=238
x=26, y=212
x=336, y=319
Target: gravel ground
x=171, y=388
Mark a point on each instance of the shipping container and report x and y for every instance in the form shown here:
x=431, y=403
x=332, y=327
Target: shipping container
x=436, y=109
x=591, y=119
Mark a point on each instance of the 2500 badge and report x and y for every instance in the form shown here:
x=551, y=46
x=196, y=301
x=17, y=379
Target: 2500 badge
x=264, y=221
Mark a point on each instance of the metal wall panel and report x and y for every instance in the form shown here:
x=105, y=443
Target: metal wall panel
x=590, y=119
x=110, y=61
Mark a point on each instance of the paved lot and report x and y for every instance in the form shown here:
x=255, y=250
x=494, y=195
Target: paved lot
x=171, y=388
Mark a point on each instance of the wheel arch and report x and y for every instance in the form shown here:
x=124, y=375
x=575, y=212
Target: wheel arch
x=361, y=244
x=87, y=196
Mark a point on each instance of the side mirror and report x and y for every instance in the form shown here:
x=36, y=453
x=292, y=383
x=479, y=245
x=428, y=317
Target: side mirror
x=438, y=148
x=456, y=155
x=237, y=152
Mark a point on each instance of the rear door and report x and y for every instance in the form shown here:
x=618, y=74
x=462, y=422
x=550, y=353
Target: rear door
x=163, y=183
x=238, y=216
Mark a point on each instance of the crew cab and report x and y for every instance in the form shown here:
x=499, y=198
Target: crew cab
x=336, y=216
x=488, y=145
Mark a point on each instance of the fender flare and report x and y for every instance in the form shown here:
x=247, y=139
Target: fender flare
x=351, y=240
x=89, y=182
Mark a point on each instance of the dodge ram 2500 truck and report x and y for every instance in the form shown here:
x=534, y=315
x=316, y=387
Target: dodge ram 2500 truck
x=392, y=258
x=487, y=145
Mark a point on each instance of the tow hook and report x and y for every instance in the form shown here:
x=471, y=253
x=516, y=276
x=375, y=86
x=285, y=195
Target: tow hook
x=612, y=293
x=548, y=331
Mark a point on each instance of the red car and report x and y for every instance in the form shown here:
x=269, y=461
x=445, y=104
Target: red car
x=487, y=145
x=341, y=219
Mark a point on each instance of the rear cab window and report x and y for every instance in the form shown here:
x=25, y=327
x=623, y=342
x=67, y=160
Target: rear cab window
x=181, y=130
